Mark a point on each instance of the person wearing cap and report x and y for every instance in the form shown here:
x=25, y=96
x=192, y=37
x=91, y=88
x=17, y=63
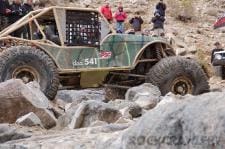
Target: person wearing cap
x=120, y=16
x=158, y=24
x=4, y=11
x=218, y=47
x=161, y=8
x=136, y=22
x=106, y=11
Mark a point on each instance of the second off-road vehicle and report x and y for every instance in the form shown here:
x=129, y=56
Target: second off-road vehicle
x=218, y=61
x=78, y=48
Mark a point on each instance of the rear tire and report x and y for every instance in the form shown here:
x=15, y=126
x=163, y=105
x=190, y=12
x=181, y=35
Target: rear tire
x=30, y=64
x=179, y=76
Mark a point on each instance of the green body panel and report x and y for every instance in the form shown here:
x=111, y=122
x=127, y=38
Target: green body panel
x=116, y=50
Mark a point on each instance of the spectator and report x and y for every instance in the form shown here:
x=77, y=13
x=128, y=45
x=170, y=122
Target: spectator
x=15, y=15
x=158, y=24
x=161, y=8
x=16, y=11
x=120, y=16
x=218, y=47
x=27, y=7
x=136, y=22
x=4, y=11
x=106, y=11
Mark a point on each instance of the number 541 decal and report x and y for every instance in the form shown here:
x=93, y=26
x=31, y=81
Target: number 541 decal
x=85, y=62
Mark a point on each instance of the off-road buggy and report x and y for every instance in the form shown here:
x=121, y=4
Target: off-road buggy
x=78, y=48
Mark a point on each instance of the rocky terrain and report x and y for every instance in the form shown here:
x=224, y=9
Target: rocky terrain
x=83, y=119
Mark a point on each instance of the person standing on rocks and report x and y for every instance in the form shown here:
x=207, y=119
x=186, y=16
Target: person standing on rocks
x=106, y=11
x=161, y=8
x=27, y=8
x=158, y=24
x=136, y=22
x=4, y=11
x=15, y=15
x=120, y=16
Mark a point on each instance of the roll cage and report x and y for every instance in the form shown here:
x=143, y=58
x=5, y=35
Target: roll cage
x=64, y=26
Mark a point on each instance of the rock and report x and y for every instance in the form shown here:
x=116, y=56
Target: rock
x=70, y=96
x=146, y=95
x=131, y=112
x=147, y=102
x=123, y=120
x=29, y=119
x=78, y=117
x=178, y=122
x=107, y=128
x=18, y=99
x=98, y=123
x=8, y=133
x=56, y=110
x=85, y=138
x=181, y=51
x=128, y=109
x=84, y=114
x=139, y=2
x=211, y=11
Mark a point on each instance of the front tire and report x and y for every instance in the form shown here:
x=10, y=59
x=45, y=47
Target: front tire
x=179, y=76
x=30, y=64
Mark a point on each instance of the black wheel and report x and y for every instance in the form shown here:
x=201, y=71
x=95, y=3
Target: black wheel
x=179, y=76
x=30, y=64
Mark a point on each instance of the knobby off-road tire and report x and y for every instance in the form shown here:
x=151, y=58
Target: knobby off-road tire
x=30, y=64
x=179, y=76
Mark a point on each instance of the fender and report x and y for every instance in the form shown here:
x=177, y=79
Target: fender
x=139, y=54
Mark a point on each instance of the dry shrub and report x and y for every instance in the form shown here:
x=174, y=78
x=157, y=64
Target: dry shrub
x=203, y=60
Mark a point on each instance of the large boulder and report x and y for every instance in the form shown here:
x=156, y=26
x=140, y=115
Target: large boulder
x=146, y=95
x=178, y=122
x=127, y=108
x=8, y=133
x=85, y=138
x=82, y=115
x=69, y=96
x=29, y=119
x=18, y=99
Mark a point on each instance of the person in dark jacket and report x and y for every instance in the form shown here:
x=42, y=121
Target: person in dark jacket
x=16, y=11
x=4, y=11
x=15, y=15
x=136, y=22
x=158, y=24
x=27, y=8
x=161, y=8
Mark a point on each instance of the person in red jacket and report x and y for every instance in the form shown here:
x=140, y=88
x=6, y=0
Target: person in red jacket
x=120, y=16
x=106, y=11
